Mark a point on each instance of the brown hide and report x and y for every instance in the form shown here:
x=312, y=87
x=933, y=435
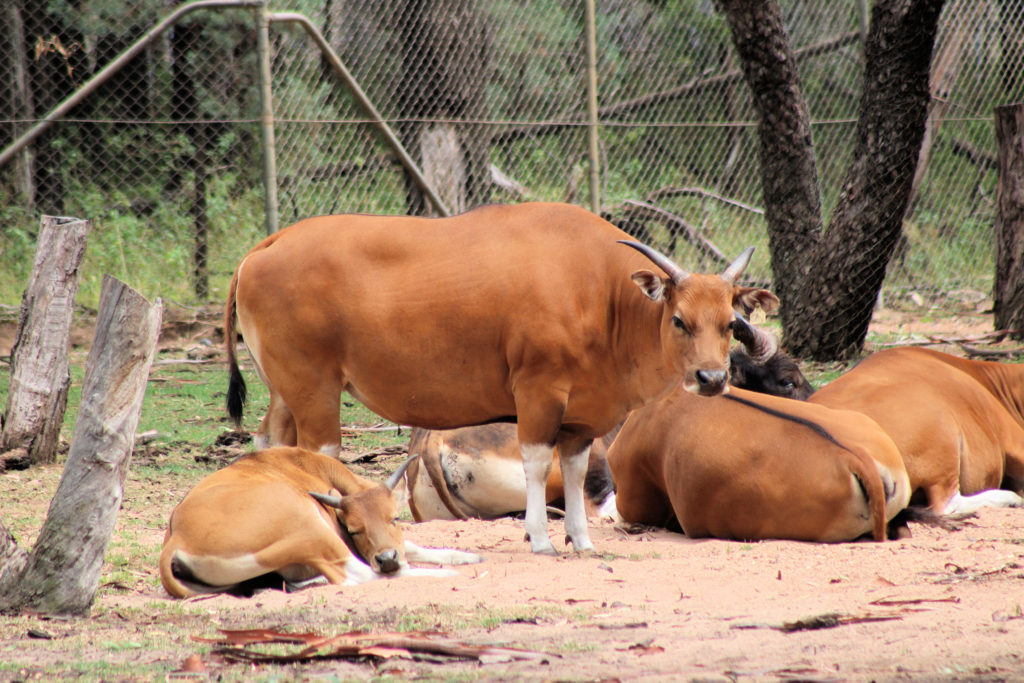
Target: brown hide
x=722, y=468
x=533, y=311
x=477, y=472
x=505, y=310
x=957, y=422
x=255, y=516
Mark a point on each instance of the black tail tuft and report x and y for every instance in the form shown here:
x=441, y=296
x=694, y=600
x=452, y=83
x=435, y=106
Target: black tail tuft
x=236, y=395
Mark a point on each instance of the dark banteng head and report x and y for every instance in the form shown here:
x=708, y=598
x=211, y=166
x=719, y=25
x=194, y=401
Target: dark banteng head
x=762, y=366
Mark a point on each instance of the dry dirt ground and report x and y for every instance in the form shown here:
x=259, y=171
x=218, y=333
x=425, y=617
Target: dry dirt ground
x=940, y=606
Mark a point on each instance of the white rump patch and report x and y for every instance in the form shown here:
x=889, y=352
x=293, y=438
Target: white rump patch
x=223, y=571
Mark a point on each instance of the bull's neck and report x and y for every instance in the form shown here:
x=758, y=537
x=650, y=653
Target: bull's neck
x=1004, y=381
x=636, y=333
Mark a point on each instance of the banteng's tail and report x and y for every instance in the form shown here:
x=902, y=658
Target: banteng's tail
x=862, y=466
x=236, y=383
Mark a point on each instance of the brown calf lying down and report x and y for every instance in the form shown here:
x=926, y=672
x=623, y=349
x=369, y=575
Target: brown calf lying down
x=533, y=313
x=254, y=524
x=958, y=423
x=750, y=466
x=477, y=472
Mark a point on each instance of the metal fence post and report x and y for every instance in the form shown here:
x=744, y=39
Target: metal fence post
x=266, y=119
x=592, y=133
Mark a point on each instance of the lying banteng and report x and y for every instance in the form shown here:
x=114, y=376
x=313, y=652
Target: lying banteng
x=959, y=423
x=749, y=466
x=533, y=313
x=761, y=366
x=476, y=472
x=287, y=515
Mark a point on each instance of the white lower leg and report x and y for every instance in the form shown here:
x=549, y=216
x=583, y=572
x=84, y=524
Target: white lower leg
x=574, y=469
x=537, y=466
x=416, y=553
x=960, y=505
x=357, y=571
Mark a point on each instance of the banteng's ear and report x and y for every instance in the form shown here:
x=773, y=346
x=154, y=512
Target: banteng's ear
x=401, y=493
x=650, y=284
x=746, y=299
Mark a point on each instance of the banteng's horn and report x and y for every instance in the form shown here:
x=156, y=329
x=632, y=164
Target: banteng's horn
x=760, y=345
x=329, y=501
x=674, y=272
x=736, y=268
x=396, y=477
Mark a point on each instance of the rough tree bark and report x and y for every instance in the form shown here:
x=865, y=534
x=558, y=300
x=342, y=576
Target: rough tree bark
x=61, y=574
x=444, y=72
x=829, y=280
x=1008, y=289
x=38, y=392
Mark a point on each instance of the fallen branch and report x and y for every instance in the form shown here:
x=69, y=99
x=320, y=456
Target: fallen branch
x=930, y=340
x=360, y=644
x=371, y=455
x=891, y=601
x=632, y=209
x=187, y=361
x=990, y=354
x=821, y=621
x=701, y=192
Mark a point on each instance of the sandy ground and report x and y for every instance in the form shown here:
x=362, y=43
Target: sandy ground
x=942, y=605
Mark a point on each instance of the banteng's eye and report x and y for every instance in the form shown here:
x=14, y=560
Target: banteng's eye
x=678, y=322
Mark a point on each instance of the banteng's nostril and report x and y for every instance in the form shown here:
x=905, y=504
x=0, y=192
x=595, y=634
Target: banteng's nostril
x=387, y=561
x=710, y=378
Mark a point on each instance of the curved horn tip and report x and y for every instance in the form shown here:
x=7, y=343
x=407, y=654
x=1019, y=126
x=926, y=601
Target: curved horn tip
x=396, y=476
x=761, y=344
x=674, y=272
x=736, y=268
x=330, y=501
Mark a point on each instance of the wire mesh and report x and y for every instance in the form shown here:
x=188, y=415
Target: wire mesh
x=490, y=100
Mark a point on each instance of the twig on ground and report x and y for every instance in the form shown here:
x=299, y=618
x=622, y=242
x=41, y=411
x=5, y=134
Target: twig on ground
x=820, y=621
x=932, y=340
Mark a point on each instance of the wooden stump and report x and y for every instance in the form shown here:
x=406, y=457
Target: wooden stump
x=61, y=574
x=40, y=378
x=1008, y=290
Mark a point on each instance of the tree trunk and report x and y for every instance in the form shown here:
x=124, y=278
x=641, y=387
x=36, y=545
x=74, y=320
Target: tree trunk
x=1011, y=26
x=17, y=99
x=444, y=72
x=1008, y=290
x=789, y=176
x=56, y=66
x=185, y=106
x=40, y=378
x=62, y=572
x=829, y=281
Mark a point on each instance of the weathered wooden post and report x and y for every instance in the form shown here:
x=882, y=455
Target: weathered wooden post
x=1008, y=289
x=38, y=391
x=61, y=574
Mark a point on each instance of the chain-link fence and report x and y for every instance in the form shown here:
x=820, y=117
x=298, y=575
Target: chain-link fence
x=490, y=101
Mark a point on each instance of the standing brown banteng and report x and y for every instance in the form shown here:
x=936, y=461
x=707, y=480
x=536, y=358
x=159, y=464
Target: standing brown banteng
x=533, y=313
